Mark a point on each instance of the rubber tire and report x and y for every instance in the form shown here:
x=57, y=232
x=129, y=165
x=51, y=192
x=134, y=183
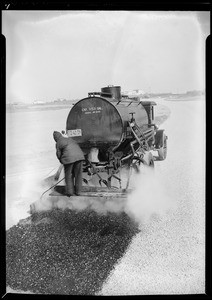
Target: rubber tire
x=162, y=152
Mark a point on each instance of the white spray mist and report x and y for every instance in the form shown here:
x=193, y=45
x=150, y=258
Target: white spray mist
x=149, y=196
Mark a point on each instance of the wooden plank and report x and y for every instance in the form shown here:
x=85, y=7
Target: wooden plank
x=91, y=195
x=91, y=192
x=63, y=202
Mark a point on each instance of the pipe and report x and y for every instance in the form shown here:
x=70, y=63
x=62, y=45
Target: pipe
x=52, y=187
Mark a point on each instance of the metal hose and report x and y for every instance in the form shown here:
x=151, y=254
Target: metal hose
x=52, y=187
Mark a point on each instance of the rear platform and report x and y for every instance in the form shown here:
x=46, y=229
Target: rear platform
x=92, y=192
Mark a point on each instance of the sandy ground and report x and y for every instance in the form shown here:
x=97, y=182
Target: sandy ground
x=167, y=255
x=30, y=134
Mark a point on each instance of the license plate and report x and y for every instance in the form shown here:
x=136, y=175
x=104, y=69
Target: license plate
x=74, y=132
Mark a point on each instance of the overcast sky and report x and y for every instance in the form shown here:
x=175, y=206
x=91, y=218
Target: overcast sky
x=67, y=54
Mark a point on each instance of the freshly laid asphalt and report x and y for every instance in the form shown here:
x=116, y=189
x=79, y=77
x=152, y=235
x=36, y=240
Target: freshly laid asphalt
x=66, y=252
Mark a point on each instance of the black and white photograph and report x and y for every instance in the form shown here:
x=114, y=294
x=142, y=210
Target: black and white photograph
x=105, y=189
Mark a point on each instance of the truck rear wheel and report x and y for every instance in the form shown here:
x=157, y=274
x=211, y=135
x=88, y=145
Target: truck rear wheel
x=162, y=152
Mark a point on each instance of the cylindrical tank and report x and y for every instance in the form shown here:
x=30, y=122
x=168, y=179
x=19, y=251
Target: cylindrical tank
x=98, y=122
x=114, y=91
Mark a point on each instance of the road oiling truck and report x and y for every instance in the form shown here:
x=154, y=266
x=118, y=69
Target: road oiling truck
x=117, y=134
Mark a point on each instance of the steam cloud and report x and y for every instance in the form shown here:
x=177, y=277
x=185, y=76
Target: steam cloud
x=148, y=198
x=26, y=189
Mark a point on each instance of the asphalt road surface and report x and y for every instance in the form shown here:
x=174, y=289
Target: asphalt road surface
x=154, y=247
